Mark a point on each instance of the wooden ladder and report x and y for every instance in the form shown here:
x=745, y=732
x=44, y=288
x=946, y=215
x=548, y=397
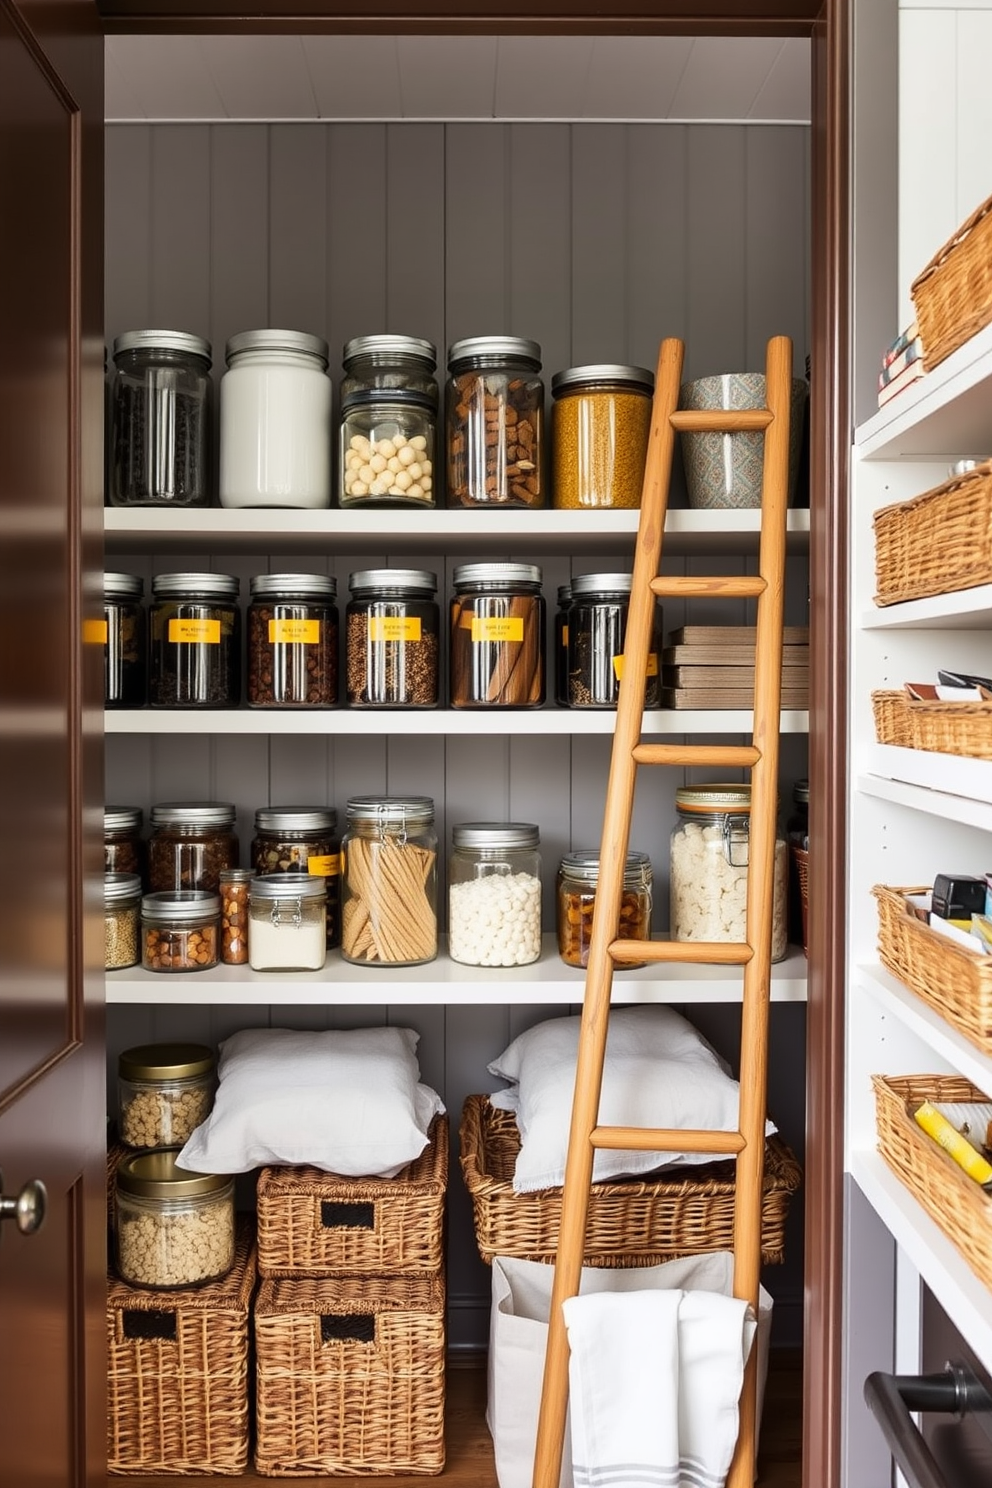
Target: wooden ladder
x=754, y=955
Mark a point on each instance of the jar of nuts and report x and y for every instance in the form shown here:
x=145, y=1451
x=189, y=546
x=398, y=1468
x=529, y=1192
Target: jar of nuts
x=234, y=886
x=121, y=915
x=578, y=875
x=302, y=839
x=164, y=1092
x=173, y=1228
x=494, y=422
x=191, y=842
x=123, y=848
x=293, y=641
x=389, y=403
x=392, y=626
x=180, y=930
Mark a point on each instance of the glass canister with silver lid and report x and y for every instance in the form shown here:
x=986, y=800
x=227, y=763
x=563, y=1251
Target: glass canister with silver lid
x=597, y=629
x=287, y=922
x=496, y=657
x=180, y=930
x=389, y=886
x=302, y=839
x=121, y=920
x=392, y=646
x=601, y=418
x=160, y=420
x=122, y=631
x=292, y=641
x=123, y=845
x=494, y=894
x=494, y=417
x=389, y=399
x=194, y=651
x=578, y=879
x=190, y=842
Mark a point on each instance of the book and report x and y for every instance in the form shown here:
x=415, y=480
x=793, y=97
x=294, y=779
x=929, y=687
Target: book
x=728, y=676
x=730, y=635
x=902, y=380
x=725, y=697
x=898, y=346
x=913, y=353
x=739, y=655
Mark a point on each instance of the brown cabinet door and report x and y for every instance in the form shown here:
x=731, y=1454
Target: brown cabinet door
x=52, y=1101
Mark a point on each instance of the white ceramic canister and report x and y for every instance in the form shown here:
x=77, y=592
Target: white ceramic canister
x=275, y=421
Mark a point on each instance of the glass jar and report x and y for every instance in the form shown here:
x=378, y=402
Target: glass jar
x=123, y=848
x=597, y=627
x=797, y=836
x=121, y=916
x=389, y=913
x=601, y=417
x=160, y=420
x=578, y=876
x=561, y=645
x=495, y=421
x=392, y=627
x=497, y=636
x=164, y=1092
x=292, y=641
x=302, y=839
x=287, y=928
x=275, y=421
x=180, y=930
x=190, y=843
x=194, y=656
x=389, y=403
x=122, y=632
x=233, y=889
x=709, y=857
x=174, y=1228
x=494, y=894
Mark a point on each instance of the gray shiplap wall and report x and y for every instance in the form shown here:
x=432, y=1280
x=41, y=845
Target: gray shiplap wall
x=595, y=240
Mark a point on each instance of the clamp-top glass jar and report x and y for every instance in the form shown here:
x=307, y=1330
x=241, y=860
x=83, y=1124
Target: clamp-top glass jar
x=292, y=641
x=389, y=912
x=302, y=839
x=190, y=843
x=286, y=922
x=392, y=627
x=600, y=423
x=494, y=894
x=123, y=635
x=160, y=420
x=194, y=649
x=497, y=636
x=495, y=422
x=389, y=400
x=578, y=878
x=597, y=629
x=275, y=421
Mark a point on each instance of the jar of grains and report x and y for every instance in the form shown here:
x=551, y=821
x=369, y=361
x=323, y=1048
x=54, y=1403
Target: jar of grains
x=561, y=644
x=164, y=1092
x=495, y=420
x=121, y=916
x=302, y=839
x=497, y=636
x=194, y=654
x=180, y=930
x=122, y=632
x=160, y=420
x=709, y=858
x=286, y=922
x=392, y=626
x=494, y=894
x=173, y=1228
x=389, y=912
x=233, y=889
x=389, y=402
x=600, y=423
x=190, y=843
x=597, y=627
x=578, y=876
x=123, y=849
x=275, y=421
x=292, y=641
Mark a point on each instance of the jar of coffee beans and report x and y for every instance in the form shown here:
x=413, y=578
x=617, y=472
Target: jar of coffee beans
x=174, y=1229
x=302, y=839
x=389, y=403
x=164, y=1092
x=122, y=631
x=597, y=627
x=180, y=930
x=123, y=848
x=497, y=636
x=494, y=422
x=190, y=843
x=578, y=876
x=391, y=646
x=122, y=908
x=292, y=641
x=194, y=655
x=160, y=433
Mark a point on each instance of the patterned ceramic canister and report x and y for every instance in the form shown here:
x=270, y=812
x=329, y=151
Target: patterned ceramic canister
x=724, y=470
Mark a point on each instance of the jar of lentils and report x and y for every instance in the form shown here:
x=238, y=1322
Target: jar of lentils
x=494, y=894
x=123, y=636
x=293, y=641
x=180, y=930
x=160, y=420
x=389, y=913
x=123, y=848
x=494, y=404
x=578, y=877
x=389, y=400
x=194, y=658
x=164, y=1092
x=302, y=839
x=174, y=1228
x=392, y=625
x=275, y=421
x=497, y=636
x=597, y=630
x=601, y=417
x=190, y=843
x=121, y=917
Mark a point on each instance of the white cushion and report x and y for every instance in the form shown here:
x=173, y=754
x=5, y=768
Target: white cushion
x=347, y=1101
x=659, y=1072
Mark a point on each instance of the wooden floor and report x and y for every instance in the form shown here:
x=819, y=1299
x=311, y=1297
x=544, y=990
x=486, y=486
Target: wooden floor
x=470, y=1453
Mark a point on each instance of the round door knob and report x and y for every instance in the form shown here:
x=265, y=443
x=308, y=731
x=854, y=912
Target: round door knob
x=26, y=1209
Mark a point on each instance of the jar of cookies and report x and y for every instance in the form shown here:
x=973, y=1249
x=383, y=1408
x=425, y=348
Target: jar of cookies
x=164, y=1092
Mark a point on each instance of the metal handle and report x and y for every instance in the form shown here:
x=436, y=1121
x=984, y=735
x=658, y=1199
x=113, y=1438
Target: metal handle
x=28, y=1209
x=891, y=1397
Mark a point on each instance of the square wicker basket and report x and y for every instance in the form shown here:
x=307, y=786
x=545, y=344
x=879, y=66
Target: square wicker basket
x=177, y=1373
x=631, y=1221
x=312, y=1223
x=938, y=542
x=944, y=727
x=955, y=982
x=350, y=1376
x=952, y=296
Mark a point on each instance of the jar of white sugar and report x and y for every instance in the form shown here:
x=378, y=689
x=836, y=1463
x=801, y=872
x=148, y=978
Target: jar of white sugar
x=494, y=894
x=275, y=421
x=287, y=922
x=709, y=860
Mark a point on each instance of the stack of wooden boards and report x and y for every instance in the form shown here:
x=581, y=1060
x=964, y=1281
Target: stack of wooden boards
x=712, y=666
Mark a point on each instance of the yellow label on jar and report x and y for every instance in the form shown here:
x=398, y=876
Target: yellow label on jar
x=394, y=628
x=326, y=866
x=650, y=671
x=94, y=632
x=564, y=635
x=195, y=632
x=290, y=632
x=493, y=628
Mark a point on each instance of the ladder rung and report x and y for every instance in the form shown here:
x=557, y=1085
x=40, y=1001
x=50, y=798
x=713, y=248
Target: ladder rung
x=741, y=756
x=716, y=586
x=663, y=1139
x=700, y=952
x=719, y=420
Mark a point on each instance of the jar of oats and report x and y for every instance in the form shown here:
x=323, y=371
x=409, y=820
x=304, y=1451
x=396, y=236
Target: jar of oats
x=174, y=1228
x=164, y=1092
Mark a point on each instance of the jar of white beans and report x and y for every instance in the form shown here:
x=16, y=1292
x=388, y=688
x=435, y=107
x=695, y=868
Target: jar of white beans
x=389, y=400
x=494, y=894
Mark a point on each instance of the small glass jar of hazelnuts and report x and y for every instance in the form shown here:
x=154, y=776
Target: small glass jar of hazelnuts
x=389, y=399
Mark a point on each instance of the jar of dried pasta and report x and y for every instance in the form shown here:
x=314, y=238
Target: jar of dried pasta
x=601, y=417
x=389, y=885
x=578, y=877
x=164, y=1092
x=174, y=1228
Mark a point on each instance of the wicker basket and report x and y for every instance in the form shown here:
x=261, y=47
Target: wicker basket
x=938, y=542
x=955, y=1202
x=177, y=1373
x=312, y=1223
x=945, y=728
x=953, y=294
x=350, y=1376
x=955, y=982
x=631, y=1221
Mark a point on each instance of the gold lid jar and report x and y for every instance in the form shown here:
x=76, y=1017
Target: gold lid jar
x=173, y=1228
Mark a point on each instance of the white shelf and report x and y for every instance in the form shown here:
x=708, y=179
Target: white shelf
x=926, y=1024
x=443, y=981
x=965, y=609
x=944, y=785
x=946, y=415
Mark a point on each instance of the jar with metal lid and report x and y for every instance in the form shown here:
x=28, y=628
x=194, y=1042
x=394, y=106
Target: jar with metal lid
x=190, y=842
x=597, y=628
x=302, y=839
x=194, y=655
x=275, y=421
x=578, y=877
x=494, y=404
x=392, y=630
x=292, y=641
x=494, y=894
x=123, y=848
x=121, y=918
x=233, y=890
x=561, y=645
x=389, y=400
x=497, y=636
x=180, y=930
x=601, y=417
x=797, y=836
x=164, y=1092
x=160, y=420
x=173, y=1228
x=389, y=912
x=122, y=632
x=709, y=858
x=286, y=922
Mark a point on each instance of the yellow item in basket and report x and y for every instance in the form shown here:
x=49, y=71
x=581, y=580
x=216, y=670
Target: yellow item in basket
x=954, y=1144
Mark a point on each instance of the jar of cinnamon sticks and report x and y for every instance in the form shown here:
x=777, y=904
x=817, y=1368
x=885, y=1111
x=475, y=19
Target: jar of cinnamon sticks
x=497, y=636
x=389, y=883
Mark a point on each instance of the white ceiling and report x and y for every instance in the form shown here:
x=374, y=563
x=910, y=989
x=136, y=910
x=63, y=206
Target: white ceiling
x=752, y=79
